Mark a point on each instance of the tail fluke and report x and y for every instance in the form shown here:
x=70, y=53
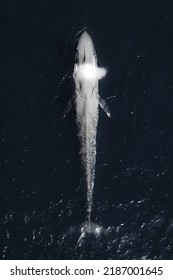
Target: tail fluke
x=89, y=228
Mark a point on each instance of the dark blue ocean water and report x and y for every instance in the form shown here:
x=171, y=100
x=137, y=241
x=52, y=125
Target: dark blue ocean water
x=42, y=192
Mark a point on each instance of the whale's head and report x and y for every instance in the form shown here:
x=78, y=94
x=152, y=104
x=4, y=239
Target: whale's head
x=86, y=73
x=85, y=50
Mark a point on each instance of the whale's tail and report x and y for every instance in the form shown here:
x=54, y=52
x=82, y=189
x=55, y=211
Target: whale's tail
x=90, y=228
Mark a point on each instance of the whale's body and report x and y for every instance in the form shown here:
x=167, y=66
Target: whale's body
x=86, y=75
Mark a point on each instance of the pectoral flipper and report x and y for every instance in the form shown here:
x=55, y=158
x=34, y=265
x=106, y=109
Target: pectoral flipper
x=104, y=106
x=68, y=107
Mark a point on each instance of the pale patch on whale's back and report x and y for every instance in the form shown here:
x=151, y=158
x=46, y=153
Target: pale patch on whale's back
x=87, y=71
